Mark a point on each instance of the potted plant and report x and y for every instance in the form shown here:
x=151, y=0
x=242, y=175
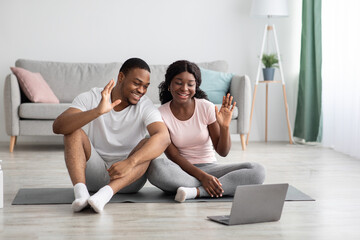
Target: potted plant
x=270, y=61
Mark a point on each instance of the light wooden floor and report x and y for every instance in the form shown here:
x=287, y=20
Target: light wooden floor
x=330, y=177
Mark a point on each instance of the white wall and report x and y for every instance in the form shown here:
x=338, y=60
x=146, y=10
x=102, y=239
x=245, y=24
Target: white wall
x=160, y=32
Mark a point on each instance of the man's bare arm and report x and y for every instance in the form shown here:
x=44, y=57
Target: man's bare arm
x=157, y=143
x=159, y=140
x=73, y=118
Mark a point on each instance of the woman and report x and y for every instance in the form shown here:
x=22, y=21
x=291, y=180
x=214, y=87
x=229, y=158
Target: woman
x=197, y=128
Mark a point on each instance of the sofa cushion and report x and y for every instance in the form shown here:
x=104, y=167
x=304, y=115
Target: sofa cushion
x=219, y=66
x=42, y=110
x=34, y=86
x=215, y=84
x=157, y=75
x=68, y=80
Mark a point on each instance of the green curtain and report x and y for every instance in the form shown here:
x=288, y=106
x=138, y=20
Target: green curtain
x=308, y=121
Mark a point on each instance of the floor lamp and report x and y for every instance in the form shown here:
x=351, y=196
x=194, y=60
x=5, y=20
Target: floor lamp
x=270, y=8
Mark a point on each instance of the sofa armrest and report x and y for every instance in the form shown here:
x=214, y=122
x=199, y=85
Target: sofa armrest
x=240, y=89
x=12, y=100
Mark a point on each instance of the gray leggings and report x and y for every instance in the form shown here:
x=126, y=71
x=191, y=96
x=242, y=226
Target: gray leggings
x=168, y=176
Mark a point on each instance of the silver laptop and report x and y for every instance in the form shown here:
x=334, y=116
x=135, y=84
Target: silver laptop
x=255, y=204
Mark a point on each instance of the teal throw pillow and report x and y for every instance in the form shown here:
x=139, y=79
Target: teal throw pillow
x=215, y=84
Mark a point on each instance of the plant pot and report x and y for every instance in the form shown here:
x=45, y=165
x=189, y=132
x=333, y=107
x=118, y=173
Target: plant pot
x=268, y=74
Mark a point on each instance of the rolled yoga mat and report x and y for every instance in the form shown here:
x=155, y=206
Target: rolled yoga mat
x=44, y=196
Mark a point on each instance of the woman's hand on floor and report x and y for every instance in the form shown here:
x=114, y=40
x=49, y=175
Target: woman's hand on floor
x=212, y=185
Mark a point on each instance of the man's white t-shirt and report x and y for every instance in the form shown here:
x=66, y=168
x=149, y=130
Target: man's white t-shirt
x=115, y=134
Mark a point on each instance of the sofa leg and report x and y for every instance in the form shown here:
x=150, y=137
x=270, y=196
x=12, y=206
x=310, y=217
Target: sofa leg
x=243, y=143
x=12, y=143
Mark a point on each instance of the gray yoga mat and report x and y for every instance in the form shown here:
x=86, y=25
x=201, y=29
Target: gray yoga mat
x=44, y=196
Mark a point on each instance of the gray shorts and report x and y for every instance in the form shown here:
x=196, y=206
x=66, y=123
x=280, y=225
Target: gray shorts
x=97, y=175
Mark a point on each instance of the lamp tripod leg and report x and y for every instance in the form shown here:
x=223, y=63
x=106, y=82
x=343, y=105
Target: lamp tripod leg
x=287, y=115
x=251, y=114
x=266, y=112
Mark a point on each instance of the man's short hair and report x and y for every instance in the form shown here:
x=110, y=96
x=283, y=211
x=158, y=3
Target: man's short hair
x=134, y=63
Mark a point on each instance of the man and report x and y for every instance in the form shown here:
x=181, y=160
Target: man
x=115, y=154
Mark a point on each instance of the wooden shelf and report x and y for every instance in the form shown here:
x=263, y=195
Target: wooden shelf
x=269, y=81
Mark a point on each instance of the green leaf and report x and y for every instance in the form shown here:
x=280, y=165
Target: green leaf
x=270, y=60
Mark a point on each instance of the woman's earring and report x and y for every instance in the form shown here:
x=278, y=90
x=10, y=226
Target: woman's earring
x=169, y=89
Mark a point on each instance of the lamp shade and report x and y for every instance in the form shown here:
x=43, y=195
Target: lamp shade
x=269, y=8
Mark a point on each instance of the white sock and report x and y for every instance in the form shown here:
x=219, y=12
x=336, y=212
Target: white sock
x=99, y=199
x=184, y=193
x=81, y=197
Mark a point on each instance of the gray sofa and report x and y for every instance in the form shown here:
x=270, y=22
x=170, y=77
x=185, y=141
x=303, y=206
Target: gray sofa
x=67, y=80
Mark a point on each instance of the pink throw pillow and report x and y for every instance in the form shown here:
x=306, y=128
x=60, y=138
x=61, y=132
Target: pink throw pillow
x=34, y=86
